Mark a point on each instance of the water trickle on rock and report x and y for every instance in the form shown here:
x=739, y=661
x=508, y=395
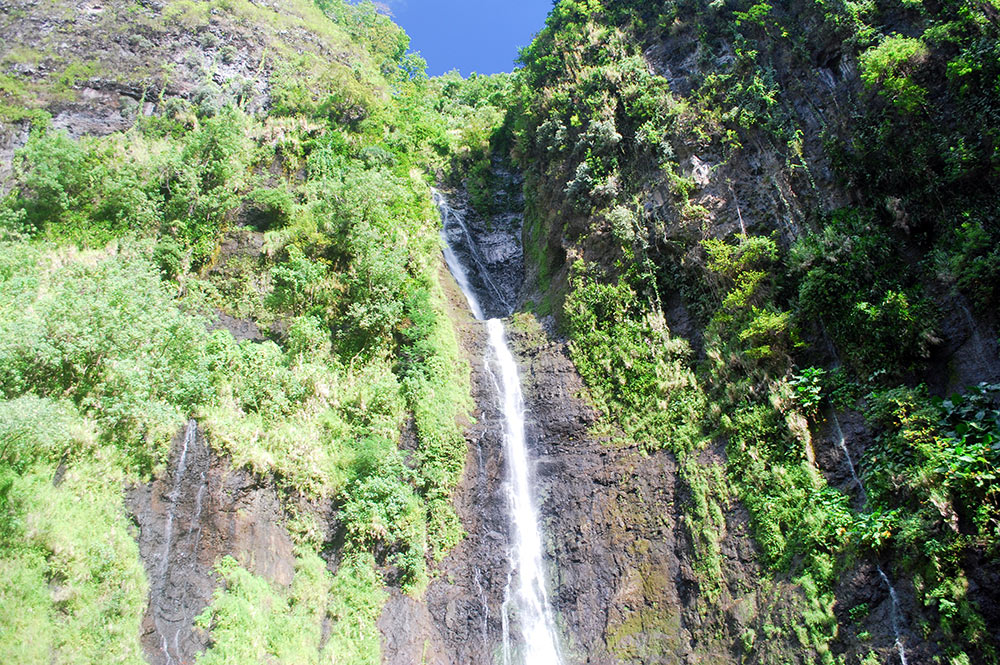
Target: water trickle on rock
x=893, y=598
x=169, y=629
x=529, y=635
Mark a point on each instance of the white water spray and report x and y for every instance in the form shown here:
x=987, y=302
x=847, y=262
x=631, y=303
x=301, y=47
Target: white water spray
x=168, y=531
x=533, y=612
x=842, y=444
x=894, y=615
x=525, y=599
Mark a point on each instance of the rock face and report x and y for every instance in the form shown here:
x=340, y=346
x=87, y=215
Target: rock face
x=197, y=511
x=95, y=66
x=620, y=554
x=489, y=248
x=460, y=618
x=617, y=550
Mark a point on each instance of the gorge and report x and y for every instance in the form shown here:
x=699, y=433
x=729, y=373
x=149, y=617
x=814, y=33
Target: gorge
x=677, y=344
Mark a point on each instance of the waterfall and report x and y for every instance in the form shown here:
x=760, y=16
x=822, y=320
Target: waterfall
x=526, y=607
x=842, y=444
x=893, y=598
x=190, y=434
x=894, y=615
x=168, y=531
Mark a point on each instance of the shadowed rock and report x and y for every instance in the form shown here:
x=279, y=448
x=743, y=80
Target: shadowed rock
x=197, y=511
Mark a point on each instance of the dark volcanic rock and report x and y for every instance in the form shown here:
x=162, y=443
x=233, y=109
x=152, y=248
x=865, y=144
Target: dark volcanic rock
x=490, y=248
x=596, y=502
x=199, y=510
x=459, y=620
x=617, y=549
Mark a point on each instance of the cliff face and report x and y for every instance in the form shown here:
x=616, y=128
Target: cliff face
x=200, y=510
x=767, y=179
x=95, y=67
x=217, y=225
x=758, y=242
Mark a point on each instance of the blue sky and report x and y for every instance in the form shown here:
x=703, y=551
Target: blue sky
x=469, y=35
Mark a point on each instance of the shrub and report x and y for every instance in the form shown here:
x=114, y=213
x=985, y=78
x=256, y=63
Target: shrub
x=854, y=283
x=630, y=362
x=299, y=283
x=52, y=172
x=889, y=66
x=73, y=585
x=34, y=429
x=105, y=333
x=270, y=208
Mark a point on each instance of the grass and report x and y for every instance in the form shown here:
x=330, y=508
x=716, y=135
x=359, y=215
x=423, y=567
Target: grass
x=71, y=581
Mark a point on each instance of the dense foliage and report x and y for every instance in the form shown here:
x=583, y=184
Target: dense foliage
x=805, y=192
x=637, y=120
x=310, y=223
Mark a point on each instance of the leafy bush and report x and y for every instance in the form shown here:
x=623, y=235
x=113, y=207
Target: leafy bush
x=852, y=282
x=105, y=333
x=34, y=429
x=747, y=329
x=300, y=284
x=889, y=66
x=271, y=207
x=72, y=584
x=628, y=359
x=53, y=174
x=933, y=471
x=253, y=621
x=808, y=386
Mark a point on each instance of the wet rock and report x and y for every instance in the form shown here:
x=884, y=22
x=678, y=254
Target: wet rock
x=459, y=619
x=491, y=246
x=969, y=352
x=241, y=329
x=197, y=511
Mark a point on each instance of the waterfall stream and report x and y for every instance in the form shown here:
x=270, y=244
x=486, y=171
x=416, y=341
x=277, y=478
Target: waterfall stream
x=190, y=432
x=842, y=444
x=977, y=340
x=529, y=635
x=893, y=598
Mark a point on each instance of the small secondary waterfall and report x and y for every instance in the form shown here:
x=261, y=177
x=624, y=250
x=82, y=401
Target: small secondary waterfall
x=190, y=434
x=893, y=598
x=169, y=514
x=842, y=444
x=531, y=638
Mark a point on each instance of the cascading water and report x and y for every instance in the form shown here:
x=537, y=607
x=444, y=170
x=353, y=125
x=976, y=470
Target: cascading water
x=190, y=434
x=977, y=340
x=842, y=444
x=894, y=615
x=893, y=598
x=526, y=609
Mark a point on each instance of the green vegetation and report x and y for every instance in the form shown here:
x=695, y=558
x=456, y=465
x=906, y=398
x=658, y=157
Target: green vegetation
x=931, y=479
x=799, y=309
x=706, y=192
x=887, y=66
x=628, y=361
x=310, y=222
x=251, y=621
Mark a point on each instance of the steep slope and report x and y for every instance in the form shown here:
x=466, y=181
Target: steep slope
x=754, y=224
x=222, y=315
x=760, y=251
